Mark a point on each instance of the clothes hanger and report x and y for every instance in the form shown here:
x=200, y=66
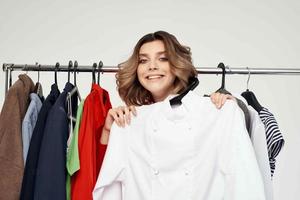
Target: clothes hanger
x=10, y=76
x=38, y=86
x=72, y=92
x=193, y=84
x=75, y=68
x=75, y=89
x=222, y=88
x=250, y=96
x=69, y=70
x=93, y=73
x=100, y=65
x=99, y=69
x=55, y=72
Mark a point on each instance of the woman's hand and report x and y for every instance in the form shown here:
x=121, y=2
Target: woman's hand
x=219, y=99
x=121, y=115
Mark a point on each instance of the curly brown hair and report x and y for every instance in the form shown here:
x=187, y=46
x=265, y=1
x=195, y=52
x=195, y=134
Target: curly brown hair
x=128, y=85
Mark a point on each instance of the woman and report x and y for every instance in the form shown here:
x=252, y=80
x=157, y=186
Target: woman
x=192, y=151
x=159, y=66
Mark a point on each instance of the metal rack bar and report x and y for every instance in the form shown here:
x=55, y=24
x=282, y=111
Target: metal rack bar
x=114, y=69
x=9, y=67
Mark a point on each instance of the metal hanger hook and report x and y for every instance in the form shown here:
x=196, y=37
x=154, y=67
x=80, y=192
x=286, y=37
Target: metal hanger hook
x=38, y=66
x=249, y=74
x=39, y=73
x=99, y=70
x=25, y=68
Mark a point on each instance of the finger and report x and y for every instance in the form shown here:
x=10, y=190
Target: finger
x=217, y=99
x=133, y=110
x=221, y=99
x=127, y=115
x=224, y=99
x=120, y=112
x=213, y=98
x=114, y=114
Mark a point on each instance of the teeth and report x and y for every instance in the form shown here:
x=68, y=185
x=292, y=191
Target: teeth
x=154, y=76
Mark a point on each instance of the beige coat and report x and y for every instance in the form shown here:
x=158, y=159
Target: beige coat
x=11, y=117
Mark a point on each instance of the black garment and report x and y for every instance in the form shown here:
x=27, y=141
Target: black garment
x=28, y=183
x=245, y=110
x=50, y=182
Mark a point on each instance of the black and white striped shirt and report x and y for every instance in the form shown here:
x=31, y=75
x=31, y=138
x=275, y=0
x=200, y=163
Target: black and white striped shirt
x=274, y=137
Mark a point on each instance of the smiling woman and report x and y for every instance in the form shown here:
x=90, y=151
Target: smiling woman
x=158, y=67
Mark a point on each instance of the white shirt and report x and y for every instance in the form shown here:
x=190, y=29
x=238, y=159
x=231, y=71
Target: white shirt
x=259, y=142
x=193, y=151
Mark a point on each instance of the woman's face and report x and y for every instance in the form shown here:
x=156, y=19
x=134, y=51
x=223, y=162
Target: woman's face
x=154, y=70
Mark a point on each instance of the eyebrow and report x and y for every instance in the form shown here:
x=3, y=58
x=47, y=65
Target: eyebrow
x=158, y=53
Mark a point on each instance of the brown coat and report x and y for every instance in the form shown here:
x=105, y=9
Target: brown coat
x=11, y=153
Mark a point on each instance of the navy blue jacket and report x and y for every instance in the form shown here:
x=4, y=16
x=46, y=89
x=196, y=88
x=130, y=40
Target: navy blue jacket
x=28, y=183
x=50, y=182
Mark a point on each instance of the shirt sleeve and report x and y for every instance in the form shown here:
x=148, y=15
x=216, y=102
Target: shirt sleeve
x=111, y=175
x=238, y=162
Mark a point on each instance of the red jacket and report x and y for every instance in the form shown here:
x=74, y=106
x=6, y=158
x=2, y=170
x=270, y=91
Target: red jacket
x=91, y=152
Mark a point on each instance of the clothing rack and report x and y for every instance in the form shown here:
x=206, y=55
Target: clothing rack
x=9, y=67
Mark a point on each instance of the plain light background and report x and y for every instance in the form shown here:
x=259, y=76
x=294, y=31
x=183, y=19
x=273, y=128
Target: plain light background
x=239, y=33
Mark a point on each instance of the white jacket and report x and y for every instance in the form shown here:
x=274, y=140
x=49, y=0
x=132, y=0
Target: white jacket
x=193, y=151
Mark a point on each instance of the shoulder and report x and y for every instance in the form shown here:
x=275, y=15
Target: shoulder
x=205, y=103
x=203, y=106
x=145, y=111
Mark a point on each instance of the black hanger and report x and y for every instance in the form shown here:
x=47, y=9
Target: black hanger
x=222, y=88
x=93, y=72
x=193, y=84
x=10, y=76
x=69, y=69
x=55, y=72
x=99, y=69
x=251, y=98
x=75, y=68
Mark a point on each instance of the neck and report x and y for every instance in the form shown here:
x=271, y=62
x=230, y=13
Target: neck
x=162, y=97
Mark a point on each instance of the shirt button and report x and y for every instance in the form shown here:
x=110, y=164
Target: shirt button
x=154, y=130
x=187, y=172
x=156, y=172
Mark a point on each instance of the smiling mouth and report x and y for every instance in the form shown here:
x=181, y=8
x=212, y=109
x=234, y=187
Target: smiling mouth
x=154, y=77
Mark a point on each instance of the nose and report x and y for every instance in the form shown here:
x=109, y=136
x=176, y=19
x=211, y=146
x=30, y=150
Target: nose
x=152, y=66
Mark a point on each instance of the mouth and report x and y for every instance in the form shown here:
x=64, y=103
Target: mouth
x=153, y=77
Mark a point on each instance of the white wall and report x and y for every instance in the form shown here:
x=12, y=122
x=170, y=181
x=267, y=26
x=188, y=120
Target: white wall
x=239, y=33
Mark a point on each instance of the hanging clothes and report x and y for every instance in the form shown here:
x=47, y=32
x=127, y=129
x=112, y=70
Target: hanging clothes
x=11, y=154
x=28, y=183
x=29, y=122
x=73, y=164
x=50, y=180
x=193, y=151
x=275, y=140
x=259, y=142
x=91, y=152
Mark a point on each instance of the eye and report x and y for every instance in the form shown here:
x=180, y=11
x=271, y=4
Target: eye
x=163, y=59
x=142, y=60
